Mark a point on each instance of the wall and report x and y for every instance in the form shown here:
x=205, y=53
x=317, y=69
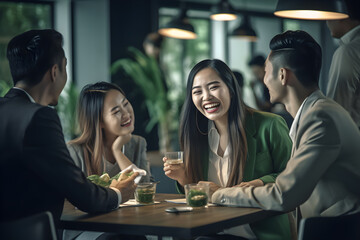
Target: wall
x=62, y=23
x=91, y=41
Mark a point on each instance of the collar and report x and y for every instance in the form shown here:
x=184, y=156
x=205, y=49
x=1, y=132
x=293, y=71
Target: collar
x=350, y=35
x=308, y=101
x=27, y=94
x=214, y=139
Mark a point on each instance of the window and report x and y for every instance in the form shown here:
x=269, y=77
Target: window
x=177, y=58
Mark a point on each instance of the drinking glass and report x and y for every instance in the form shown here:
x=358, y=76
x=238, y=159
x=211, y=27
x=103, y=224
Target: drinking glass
x=174, y=157
x=197, y=194
x=145, y=192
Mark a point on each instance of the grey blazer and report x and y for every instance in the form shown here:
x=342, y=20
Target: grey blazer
x=134, y=150
x=323, y=173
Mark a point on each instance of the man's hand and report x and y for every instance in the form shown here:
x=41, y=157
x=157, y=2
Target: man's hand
x=254, y=183
x=126, y=187
x=213, y=187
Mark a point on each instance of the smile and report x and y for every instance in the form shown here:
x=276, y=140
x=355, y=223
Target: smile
x=211, y=107
x=126, y=124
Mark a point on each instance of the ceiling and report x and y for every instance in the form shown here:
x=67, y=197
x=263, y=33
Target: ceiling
x=242, y=5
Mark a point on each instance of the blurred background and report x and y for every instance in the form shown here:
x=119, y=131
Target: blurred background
x=105, y=40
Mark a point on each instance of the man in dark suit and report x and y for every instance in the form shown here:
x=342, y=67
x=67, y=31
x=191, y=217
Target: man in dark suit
x=36, y=171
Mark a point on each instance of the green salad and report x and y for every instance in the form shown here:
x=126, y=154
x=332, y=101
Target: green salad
x=197, y=198
x=105, y=180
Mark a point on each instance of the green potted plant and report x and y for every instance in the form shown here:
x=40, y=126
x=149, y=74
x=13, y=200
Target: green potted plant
x=66, y=110
x=146, y=73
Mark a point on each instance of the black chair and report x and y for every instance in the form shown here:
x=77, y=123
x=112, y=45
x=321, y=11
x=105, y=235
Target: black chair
x=36, y=227
x=339, y=228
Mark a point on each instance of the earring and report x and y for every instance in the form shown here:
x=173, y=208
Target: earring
x=197, y=125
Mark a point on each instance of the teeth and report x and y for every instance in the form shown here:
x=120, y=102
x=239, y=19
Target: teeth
x=125, y=123
x=211, y=105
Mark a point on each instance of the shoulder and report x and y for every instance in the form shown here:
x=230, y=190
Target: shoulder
x=350, y=51
x=74, y=148
x=261, y=118
x=45, y=113
x=325, y=116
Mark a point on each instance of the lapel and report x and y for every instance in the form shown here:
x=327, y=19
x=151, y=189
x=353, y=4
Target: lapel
x=309, y=102
x=250, y=130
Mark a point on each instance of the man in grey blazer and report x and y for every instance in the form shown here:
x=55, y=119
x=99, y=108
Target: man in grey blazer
x=323, y=173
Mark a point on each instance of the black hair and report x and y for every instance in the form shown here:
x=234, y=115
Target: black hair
x=34, y=52
x=90, y=115
x=258, y=60
x=239, y=77
x=299, y=52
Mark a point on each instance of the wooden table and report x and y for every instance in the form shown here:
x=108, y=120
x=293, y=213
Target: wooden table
x=153, y=220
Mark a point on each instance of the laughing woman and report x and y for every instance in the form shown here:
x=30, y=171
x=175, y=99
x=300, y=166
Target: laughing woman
x=106, y=144
x=229, y=144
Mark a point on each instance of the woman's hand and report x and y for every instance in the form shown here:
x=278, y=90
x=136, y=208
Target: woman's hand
x=120, y=141
x=254, y=183
x=176, y=172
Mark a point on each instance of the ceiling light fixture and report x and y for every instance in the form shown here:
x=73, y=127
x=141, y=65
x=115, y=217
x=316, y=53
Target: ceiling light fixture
x=179, y=27
x=223, y=12
x=311, y=9
x=245, y=30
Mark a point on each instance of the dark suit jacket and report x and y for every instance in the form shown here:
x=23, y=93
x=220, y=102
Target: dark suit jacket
x=36, y=171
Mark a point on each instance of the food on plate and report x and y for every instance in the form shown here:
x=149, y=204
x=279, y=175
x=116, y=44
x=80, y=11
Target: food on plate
x=105, y=180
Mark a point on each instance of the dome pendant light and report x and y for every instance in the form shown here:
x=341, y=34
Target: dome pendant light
x=223, y=12
x=179, y=27
x=245, y=30
x=311, y=9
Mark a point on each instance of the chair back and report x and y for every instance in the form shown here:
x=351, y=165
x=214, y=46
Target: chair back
x=341, y=227
x=36, y=227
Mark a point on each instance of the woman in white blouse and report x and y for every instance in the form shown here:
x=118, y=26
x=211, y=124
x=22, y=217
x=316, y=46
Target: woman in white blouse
x=229, y=144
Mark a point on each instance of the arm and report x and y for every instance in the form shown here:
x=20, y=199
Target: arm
x=120, y=157
x=319, y=145
x=44, y=144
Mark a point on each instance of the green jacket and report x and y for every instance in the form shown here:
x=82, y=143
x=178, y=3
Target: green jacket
x=269, y=149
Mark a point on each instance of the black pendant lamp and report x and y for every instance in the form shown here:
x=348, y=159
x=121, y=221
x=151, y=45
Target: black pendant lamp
x=223, y=12
x=179, y=27
x=311, y=9
x=245, y=30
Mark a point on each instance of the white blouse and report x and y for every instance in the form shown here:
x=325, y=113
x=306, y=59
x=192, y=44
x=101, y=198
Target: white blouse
x=219, y=173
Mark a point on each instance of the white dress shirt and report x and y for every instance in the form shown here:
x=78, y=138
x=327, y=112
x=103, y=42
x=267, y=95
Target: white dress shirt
x=294, y=125
x=344, y=74
x=219, y=173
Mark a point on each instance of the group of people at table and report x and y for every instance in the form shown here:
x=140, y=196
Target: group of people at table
x=248, y=157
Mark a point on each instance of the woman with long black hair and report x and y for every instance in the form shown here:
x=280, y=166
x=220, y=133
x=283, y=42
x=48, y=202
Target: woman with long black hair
x=229, y=144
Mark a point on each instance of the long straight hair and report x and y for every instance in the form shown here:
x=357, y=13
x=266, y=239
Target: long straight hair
x=194, y=126
x=90, y=115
